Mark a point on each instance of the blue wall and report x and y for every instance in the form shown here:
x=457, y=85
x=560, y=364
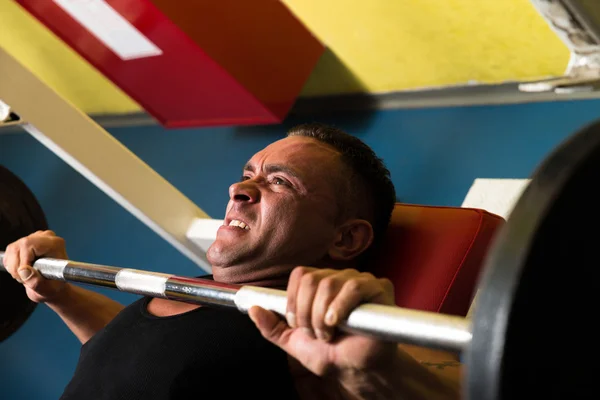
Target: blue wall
x=434, y=155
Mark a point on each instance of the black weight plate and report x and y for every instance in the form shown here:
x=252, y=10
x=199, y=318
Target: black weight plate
x=533, y=324
x=20, y=215
x=15, y=306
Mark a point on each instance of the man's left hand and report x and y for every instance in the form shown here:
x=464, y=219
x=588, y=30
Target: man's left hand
x=318, y=299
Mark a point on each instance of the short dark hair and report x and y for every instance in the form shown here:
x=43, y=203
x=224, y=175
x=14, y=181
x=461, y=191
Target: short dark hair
x=369, y=193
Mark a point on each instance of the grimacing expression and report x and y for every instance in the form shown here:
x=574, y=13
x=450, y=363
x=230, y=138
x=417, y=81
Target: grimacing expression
x=284, y=209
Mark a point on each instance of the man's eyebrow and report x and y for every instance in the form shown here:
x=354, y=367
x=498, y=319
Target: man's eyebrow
x=273, y=168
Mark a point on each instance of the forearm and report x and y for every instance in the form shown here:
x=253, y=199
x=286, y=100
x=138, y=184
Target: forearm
x=85, y=312
x=413, y=374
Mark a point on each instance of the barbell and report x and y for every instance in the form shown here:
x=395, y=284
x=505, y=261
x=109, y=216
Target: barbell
x=530, y=335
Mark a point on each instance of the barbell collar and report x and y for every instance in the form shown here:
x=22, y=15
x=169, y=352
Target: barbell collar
x=390, y=323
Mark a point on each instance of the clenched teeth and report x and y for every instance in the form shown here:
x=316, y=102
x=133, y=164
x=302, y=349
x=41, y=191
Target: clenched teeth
x=239, y=224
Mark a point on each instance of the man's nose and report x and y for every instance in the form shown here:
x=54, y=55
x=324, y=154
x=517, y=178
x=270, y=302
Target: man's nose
x=245, y=191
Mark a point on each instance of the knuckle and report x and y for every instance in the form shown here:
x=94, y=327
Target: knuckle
x=348, y=273
x=388, y=289
x=367, y=276
x=353, y=286
x=26, y=242
x=298, y=273
x=10, y=249
x=35, y=234
x=58, y=241
x=386, y=283
x=327, y=285
x=309, y=280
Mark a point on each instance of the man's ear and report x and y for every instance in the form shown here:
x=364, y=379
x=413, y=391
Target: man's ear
x=353, y=238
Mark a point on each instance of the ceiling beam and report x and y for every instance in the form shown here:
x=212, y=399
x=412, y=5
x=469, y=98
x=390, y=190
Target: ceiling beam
x=98, y=156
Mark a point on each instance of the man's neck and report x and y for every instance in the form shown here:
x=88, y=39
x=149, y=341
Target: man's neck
x=274, y=276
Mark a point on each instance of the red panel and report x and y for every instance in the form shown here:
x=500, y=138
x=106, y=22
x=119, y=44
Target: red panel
x=434, y=255
x=222, y=62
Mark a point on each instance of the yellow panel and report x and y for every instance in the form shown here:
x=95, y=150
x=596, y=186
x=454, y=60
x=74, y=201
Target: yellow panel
x=391, y=45
x=26, y=39
x=374, y=46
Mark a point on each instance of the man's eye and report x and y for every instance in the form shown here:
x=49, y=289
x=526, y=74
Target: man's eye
x=244, y=178
x=278, y=181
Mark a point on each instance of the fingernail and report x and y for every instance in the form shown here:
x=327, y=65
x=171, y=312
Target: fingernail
x=291, y=319
x=323, y=335
x=25, y=273
x=330, y=317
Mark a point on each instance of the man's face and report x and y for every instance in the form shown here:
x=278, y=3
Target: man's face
x=282, y=213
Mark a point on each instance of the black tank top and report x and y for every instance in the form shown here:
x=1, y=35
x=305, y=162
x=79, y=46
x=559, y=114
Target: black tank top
x=201, y=354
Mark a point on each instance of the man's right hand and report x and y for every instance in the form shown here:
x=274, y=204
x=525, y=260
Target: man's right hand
x=20, y=256
x=84, y=311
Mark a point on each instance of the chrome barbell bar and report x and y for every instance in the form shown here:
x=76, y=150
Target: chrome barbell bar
x=401, y=325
